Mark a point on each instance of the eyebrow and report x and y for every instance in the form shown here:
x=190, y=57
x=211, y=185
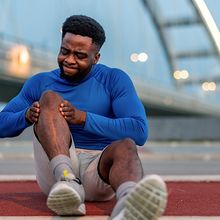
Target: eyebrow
x=75, y=52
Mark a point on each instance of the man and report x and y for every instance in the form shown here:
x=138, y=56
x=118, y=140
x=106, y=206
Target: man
x=87, y=122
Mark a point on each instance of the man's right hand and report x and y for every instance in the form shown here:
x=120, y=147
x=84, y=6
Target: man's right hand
x=33, y=113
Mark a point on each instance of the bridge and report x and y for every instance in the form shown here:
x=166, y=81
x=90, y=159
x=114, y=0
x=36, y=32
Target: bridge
x=194, y=71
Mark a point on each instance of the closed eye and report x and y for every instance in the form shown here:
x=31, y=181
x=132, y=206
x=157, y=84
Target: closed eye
x=80, y=55
x=64, y=51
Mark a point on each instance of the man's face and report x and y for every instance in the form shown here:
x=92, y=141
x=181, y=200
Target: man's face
x=77, y=55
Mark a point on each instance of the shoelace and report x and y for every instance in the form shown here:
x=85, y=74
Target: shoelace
x=68, y=179
x=77, y=180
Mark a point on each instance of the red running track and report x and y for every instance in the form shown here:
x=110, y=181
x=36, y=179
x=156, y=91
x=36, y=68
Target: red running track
x=23, y=198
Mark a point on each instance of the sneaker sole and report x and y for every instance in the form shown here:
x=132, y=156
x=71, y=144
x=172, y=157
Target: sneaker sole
x=64, y=200
x=147, y=201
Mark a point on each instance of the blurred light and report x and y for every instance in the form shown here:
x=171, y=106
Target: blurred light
x=184, y=74
x=209, y=86
x=20, y=61
x=141, y=57
x=23, y=56
x=134, y=57
x=212, y=86
x=205, y=86
x=181, y=74
x=176, y=74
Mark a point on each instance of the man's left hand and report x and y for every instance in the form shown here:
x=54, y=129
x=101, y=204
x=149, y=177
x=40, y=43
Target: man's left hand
x=72, y=114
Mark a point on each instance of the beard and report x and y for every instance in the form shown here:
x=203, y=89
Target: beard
x=80, y=75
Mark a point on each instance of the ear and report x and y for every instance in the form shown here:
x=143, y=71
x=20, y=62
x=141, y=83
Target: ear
x=96, y=58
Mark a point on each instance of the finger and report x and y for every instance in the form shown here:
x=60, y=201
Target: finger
x=68, y=118
x=36, y=104
x=65, y=106
x=68, y=114
x=67, y=109
x=33, y=109
x=62, y=113
x=35, y=120
x=61, y=110
x=35, y=114
x=65, y=102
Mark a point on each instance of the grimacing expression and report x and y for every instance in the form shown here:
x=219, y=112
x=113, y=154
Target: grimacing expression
x=77, y=55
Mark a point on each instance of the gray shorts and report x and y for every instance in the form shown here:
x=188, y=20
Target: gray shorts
x=85, y=166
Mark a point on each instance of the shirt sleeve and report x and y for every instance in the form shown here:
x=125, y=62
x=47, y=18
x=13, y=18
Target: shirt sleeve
x=129, y=114
x=12, y=117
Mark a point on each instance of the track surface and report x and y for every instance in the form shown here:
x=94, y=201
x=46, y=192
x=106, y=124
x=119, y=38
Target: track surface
x=186, y=198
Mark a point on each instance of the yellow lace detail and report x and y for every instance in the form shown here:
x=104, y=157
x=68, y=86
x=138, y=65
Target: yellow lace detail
x=65, y=173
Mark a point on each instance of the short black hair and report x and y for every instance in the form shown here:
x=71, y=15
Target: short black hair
x=84, y=26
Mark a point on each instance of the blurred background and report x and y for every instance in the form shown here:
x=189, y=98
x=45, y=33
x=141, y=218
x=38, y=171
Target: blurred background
x=170, y=49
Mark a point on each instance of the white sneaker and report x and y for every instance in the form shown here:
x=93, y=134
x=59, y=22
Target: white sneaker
x=147, y=201
x=67, y=197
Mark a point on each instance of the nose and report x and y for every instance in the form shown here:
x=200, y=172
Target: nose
x=70, y=59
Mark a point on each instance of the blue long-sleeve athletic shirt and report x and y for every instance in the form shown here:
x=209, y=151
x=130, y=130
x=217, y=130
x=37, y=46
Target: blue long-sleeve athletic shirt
x=107, y=95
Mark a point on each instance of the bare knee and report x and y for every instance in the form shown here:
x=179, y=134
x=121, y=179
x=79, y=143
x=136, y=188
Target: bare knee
x=119, y=150
x=50, y=99
x=128, y=141
x=120, y=156
x=124, y=147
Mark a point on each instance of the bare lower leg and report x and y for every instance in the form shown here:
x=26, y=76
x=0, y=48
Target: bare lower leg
x=52, y=129
x=120, y=163
x=120, y=166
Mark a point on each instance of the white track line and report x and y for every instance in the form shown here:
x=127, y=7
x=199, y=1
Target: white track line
x=53, y=218
x=175, y=178
x=190, y=218
x=16, y=177
x=193, y=178
x=102, y=218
